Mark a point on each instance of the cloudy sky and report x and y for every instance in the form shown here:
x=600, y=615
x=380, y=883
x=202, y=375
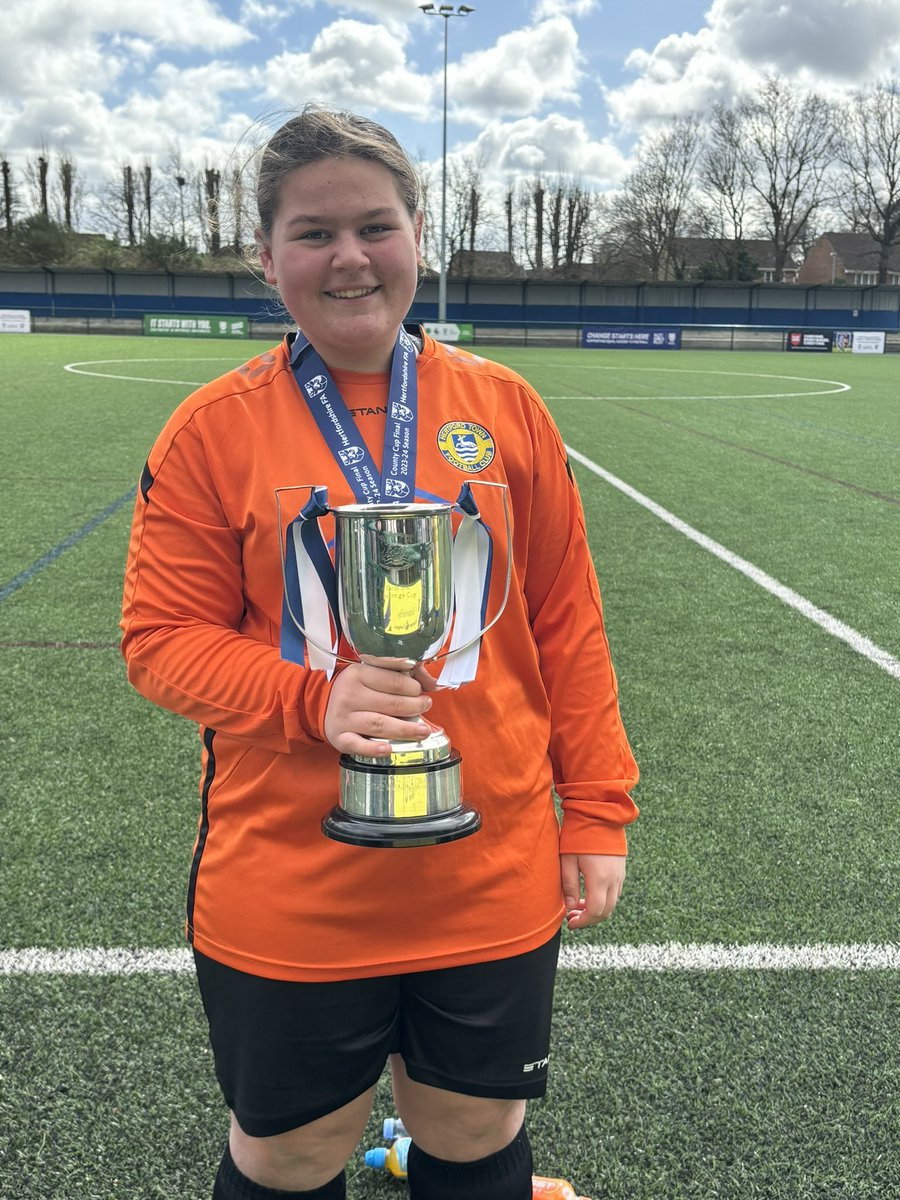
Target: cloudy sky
x=552, y=85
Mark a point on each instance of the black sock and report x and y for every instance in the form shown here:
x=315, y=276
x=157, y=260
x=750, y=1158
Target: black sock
x=232, y=1185
x=505, y=1175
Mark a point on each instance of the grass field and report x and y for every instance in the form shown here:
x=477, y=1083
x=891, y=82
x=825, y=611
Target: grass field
x=734, y=1030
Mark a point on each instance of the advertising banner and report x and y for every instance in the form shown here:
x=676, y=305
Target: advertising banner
x=630, y=337
x=802, y=339
x=868, y=342
x=166, y=325
x=449, y=331
x=15, y=320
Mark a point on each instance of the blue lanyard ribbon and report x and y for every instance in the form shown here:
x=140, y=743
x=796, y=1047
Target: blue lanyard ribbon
x=397, y=481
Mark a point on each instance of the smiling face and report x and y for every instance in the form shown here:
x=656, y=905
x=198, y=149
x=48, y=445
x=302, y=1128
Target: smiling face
x=344, y=253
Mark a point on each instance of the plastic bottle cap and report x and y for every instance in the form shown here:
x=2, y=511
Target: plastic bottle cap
x=377, y=1157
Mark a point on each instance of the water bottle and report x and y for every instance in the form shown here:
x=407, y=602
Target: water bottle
x=543, y=1188
x=393, y=1159
x=393, y=1128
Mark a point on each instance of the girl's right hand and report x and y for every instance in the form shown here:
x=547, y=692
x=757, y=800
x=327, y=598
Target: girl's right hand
x=369, y=701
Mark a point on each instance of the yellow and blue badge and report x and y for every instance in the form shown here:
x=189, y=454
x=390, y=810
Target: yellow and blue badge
x=466, y=445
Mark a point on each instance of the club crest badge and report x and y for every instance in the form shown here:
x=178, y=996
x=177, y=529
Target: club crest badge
x=467, y=446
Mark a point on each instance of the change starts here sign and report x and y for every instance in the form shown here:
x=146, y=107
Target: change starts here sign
x=630, y=337
x=166, y=325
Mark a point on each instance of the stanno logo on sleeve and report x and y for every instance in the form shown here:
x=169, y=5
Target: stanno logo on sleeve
x=467, y=446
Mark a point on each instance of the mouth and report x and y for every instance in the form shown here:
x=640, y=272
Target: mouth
x=352, y=293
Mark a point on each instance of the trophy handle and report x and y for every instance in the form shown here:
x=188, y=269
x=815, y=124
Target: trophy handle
x=471, y=642
x=311, y=488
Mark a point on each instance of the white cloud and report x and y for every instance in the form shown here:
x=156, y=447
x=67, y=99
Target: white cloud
x=64, y=25
x=844, y=39
x=518, y=75
x=350, y=64
x=684, y=74
x=553, y=145
x=826, y=44
x=564, y=8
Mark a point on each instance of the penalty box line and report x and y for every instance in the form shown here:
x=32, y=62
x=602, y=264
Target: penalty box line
x=853, y=638
x=661, y=957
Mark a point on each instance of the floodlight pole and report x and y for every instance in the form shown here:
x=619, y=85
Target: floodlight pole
x=446, y=11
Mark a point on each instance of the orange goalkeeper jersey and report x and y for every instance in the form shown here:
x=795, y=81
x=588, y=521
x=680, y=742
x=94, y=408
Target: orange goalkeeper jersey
x=268, y=893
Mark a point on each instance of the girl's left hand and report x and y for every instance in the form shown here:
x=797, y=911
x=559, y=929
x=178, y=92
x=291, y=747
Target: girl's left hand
x=603, y=875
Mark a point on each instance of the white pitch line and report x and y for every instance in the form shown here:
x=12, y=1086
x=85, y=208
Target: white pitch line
x=711, y=956
x=854, y=639
x=665, y=956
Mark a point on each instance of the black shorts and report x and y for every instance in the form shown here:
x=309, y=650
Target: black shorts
x=289, y=1053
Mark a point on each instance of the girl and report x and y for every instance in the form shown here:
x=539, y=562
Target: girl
x=319, y=961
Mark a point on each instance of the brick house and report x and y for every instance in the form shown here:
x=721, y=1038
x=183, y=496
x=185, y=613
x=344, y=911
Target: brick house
x=851, y=258
x=693, y=254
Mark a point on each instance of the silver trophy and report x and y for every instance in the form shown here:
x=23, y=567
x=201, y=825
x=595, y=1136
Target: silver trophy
x=395, y=588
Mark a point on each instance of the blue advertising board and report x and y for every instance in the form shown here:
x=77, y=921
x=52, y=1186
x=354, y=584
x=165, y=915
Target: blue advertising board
x=630, y=337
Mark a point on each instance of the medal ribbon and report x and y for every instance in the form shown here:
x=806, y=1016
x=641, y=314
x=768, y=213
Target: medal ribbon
x=397, y=481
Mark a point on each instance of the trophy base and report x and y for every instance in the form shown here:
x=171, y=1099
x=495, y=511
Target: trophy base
x=399, y=832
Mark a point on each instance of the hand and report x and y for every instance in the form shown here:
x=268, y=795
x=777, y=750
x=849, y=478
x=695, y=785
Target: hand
x=370, y=699
x=603, y=875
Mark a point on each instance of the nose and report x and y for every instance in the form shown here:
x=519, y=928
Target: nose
x=349, y=252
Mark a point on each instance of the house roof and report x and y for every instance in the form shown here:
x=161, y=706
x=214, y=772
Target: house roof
x=860, y=251
x=485, y=264
x=695, y=251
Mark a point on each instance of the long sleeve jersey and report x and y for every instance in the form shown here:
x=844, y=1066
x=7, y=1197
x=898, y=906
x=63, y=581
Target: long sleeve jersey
x=268, y=892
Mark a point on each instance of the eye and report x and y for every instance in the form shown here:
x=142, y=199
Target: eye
x=312, y=235
x=375, y=229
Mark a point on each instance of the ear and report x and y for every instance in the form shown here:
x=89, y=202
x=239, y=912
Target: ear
x=419, y=221
x=265, y=257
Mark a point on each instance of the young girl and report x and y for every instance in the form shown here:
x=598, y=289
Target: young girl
x=319, y=961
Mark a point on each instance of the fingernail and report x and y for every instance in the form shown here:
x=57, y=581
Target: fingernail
x=570, y=902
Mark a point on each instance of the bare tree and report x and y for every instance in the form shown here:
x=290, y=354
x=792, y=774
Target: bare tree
x=129, y=203
x=468, y=212
x=36, y=172
x=212, y=186
x=9, y=200
x=786, y=143
x=725, y=194
x=868, y=150
x=570, y=214
x=655, y=203
x=147, y=198
x=537, y=195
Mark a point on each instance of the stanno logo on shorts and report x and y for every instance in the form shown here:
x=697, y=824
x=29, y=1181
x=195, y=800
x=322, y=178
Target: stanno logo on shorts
x=469, y=447
x=536, y=1066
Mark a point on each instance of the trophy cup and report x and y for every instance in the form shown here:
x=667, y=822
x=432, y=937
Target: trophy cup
x=394, y=569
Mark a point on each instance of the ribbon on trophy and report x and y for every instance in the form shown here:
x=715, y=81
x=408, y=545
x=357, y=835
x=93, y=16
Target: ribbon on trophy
x=311, y=623
x=310, y=591
x=472, y=561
